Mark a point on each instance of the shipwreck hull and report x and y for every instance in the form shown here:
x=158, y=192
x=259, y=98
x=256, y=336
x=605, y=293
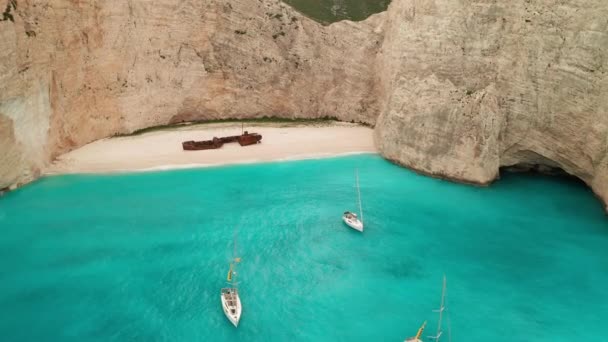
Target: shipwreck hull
x=249, y=139
x=244, y=139
x=202, y=145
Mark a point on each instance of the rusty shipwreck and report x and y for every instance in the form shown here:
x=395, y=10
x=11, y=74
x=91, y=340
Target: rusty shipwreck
x=244, y=139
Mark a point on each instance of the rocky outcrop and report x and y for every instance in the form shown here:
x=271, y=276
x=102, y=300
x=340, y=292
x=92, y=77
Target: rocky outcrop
x=10, y=152
x=456, y=89
x=474, y=85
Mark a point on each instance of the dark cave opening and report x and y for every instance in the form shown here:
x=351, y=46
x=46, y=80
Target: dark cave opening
x=553, y=171
x=542, y=169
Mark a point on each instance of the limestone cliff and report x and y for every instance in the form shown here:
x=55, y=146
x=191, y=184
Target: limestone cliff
x=456, y=88
x=471, y=86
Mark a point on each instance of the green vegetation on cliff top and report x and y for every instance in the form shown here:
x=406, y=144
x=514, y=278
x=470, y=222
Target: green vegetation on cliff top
x=264, y=120
x=329, y=11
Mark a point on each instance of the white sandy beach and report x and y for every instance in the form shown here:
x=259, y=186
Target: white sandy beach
x=162, y=149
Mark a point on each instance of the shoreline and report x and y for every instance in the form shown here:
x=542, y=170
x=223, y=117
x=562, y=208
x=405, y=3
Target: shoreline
x=161, y=150
x=170, y=167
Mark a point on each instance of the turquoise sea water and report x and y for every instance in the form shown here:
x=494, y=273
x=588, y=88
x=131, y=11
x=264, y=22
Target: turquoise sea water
x=142, y=257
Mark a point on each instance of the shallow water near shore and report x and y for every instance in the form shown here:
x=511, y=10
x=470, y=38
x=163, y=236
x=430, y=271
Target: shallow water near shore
x=142, y=256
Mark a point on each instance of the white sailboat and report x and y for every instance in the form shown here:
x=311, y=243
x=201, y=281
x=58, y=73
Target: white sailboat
x=440, y=311
x=231, y=302
x=351, y=219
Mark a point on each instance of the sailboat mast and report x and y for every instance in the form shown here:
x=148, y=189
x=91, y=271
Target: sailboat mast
x=235, y=275
x=234, y=246
x=441, y=308
x=359, y=193
x=234, y=258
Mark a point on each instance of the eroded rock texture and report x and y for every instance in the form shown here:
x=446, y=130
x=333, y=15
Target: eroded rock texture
x=474, y=85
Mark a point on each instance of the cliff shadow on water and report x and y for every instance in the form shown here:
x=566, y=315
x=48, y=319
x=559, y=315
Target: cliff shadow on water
x=547, y=173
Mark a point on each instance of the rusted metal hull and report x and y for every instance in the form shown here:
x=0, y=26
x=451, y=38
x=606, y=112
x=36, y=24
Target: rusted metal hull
x=249, y=139
x=245, y=139
x=202, y=145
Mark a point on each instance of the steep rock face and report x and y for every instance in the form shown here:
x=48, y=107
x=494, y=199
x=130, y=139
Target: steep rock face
x=10, y=151
x=474, y=85
x=73, y=72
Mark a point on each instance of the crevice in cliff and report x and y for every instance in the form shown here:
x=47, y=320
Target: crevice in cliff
x=327, y=12
x=7, y=15
x=542, y=169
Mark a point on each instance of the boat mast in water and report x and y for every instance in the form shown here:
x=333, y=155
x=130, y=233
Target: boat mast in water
x=440, y=311
x=234, y=261
x=359, y=193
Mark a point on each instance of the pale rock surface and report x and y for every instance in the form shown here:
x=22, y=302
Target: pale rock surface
x=10, y=152
x=471, y=86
